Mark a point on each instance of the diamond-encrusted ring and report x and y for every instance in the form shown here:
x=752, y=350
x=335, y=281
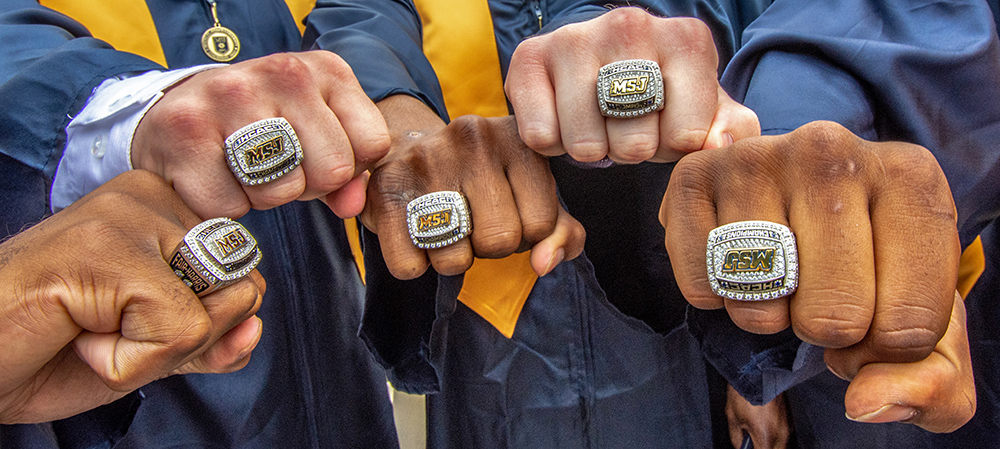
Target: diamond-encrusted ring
x=630, y=88
x=214, y=254
x=438, y=219
x=263, y=151
x=752, y=261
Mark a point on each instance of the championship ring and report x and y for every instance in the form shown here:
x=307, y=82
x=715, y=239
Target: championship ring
x=263, y=151
x=631, y=88
x=214, y=254
x=752, y=261
x=438, y=219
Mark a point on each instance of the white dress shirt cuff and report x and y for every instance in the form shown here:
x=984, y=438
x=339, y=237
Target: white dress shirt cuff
x=99, y=138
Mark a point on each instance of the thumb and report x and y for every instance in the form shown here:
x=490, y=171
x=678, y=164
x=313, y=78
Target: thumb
x=937, y=393
x=732, y=122
x=565, y=243
x=153, y=339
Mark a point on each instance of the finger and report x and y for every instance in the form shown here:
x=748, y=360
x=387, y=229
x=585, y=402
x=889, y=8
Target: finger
x=156, y=335
x=349, y=200
x=327, y=154
x=633, y=140
x=937, y=393
x=453, y=259
x=732, y=122
x=285, y=189
x=533, y=188
x=533, y=98
x=581, y=125
x=835, y=300
x=747, y=190
x=911, y=213
x=690, y=84
x=360, y=119
x=496, y=221
x=229, y=353
x=688, y=214
x=564, y=243
x=385, y=215
x=232, y=305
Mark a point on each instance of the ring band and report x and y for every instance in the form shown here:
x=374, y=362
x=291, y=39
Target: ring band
x=263, y=151
x=752, y=261
x=214, y=254
x=438, y=219
x=630, y=88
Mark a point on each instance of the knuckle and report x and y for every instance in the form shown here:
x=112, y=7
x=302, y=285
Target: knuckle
x=193, y=335
x=529, y=53
x=237, y=87
x=686, y=140
x=496, y=241
x=471, y=130
x=830, y=154
x=904, y=345
x=288, y=70
x=913, y=171
x=830, y=331
x=693, y=175
x=833, y=317
x=539, y=138
x=759, y=321
x=279, y=194
x=537, y=229
x=629, y=20
x=703, y=299
x=335, y=66
x=587, y=150
x=454, y=264
x=635, y=148
x=332, y=178
x=247, y=296
x=693, y=35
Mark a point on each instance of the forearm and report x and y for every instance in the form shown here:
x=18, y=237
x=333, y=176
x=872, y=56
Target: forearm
x=382, y=42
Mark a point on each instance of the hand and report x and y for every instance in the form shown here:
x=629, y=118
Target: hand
x=938, y=393
x=90, y=310
x=511, y=192
x=876, y=230
x=766, y=424
x=552, y=86
x=342, y=133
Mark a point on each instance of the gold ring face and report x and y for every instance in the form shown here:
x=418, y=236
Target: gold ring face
x=752, y=261
x=213, y=254
x=263, y=151
x=630, y=88
x=438, y=219
x=220, y=44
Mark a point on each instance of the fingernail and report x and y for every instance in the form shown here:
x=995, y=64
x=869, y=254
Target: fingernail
x=556, y=259
x=255, y=324
x=727, y=139
x=888, y=413
x=835, y=373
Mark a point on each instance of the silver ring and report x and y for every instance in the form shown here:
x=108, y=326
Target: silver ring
x=631, y=88
x=438, y=219
x=752, y=261
x=214, y=254
x=263, y=151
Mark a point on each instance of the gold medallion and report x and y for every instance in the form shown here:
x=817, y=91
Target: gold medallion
x=220, y=44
